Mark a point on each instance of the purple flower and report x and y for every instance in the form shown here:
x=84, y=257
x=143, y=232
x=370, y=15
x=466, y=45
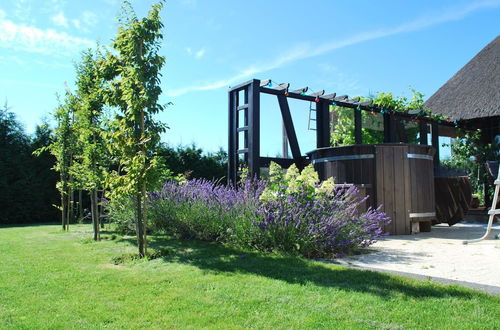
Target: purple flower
x=300, y=222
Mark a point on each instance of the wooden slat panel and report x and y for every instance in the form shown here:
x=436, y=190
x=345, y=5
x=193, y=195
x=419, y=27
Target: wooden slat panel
x=379, y=178
x=341, y=167
x=372, y=179
x=415, y=197
x=388, y=186
x=407, y=191
x=368, y=170
x=402, y=185
x=399, y=212
x=453, y=197
x=357, y=175
x=422, y=179
x=335, y=171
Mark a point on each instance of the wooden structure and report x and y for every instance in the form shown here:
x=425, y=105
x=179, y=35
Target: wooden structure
x=453, y=197
x=244, y=123
x=397, y=176
x=472, y=98
x=406, y=186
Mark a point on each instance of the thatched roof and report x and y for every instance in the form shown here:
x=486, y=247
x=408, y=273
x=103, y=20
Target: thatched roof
x=474, y=91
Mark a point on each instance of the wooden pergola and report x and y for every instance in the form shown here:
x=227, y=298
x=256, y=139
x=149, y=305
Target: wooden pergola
x=244, y=124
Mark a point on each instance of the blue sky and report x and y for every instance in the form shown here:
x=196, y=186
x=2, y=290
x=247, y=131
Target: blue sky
x=347, y=47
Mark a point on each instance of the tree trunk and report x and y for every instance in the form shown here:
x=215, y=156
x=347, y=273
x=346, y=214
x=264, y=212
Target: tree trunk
x=140, y=225
x=141, y=185
x=101, y=209
x=63, y=210
x=145, y=217
x=70, y=205
x=67, y=209
x=80, y=204
x=95, y=214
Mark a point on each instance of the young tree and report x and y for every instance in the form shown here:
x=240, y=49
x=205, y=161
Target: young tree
x=133, y=71
x=62, y=148
x=88, y=166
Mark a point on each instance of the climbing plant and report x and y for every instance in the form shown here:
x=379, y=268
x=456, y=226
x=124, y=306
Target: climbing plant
x=372, y=127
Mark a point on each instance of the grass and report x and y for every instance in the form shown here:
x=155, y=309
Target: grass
x=51, y=279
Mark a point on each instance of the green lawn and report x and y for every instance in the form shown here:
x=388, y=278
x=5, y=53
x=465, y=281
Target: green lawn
x=50, y=279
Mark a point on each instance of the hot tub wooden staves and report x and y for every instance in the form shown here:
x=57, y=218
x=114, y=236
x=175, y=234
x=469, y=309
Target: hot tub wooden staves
x=398, y=176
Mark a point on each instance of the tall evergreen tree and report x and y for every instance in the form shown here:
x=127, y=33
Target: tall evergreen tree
x=14, y=157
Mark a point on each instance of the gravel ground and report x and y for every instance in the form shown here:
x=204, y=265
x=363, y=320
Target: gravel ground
x=438, y=255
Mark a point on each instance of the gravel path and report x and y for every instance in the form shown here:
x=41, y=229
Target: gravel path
x=439, y=255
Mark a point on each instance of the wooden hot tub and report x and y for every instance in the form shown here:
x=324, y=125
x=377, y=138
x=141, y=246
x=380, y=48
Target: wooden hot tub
x=398, y=176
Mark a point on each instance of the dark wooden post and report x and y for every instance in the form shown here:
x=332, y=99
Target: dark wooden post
x=422, y=128
x=322, y=124
x=358, y=136
x=232, y=154
x=253, y=95
x=435, y=144
x=251, y=128
x=397, y=130
x=387, y=128
x=284, y=141
x=290, y=130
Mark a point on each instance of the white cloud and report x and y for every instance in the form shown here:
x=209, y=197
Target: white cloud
x=23, y=11
x=89, y=18
x=26, y=38
x=199, y=54
x=59, y=19
x=76, y=23
x=86, y=21
x=303, y=51
x=14, y=59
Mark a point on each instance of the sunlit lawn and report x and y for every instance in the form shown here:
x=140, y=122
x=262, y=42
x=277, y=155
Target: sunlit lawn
x=51, y=279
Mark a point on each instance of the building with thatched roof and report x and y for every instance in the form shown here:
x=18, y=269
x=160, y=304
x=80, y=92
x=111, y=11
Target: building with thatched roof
x=472, y=95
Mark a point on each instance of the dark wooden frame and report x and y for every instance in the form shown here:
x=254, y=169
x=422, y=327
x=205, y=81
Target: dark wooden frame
x=250, y=105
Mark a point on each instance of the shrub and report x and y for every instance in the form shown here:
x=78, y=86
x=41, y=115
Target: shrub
x=203, y=210
x=121, y=211
x=290, y=212
x=314, y=219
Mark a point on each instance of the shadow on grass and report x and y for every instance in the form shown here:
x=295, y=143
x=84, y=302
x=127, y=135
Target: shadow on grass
x=294, y=270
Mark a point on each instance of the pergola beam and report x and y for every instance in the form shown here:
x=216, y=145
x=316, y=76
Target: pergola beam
x=341, y=102
x=290, y=130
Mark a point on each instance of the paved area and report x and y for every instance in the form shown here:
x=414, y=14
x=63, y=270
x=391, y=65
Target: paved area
x=438, y=255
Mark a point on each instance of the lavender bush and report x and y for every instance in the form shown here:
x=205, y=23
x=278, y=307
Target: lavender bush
x=289, y=212
x=203, y=210
x=319, y=227
x=299, y=214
